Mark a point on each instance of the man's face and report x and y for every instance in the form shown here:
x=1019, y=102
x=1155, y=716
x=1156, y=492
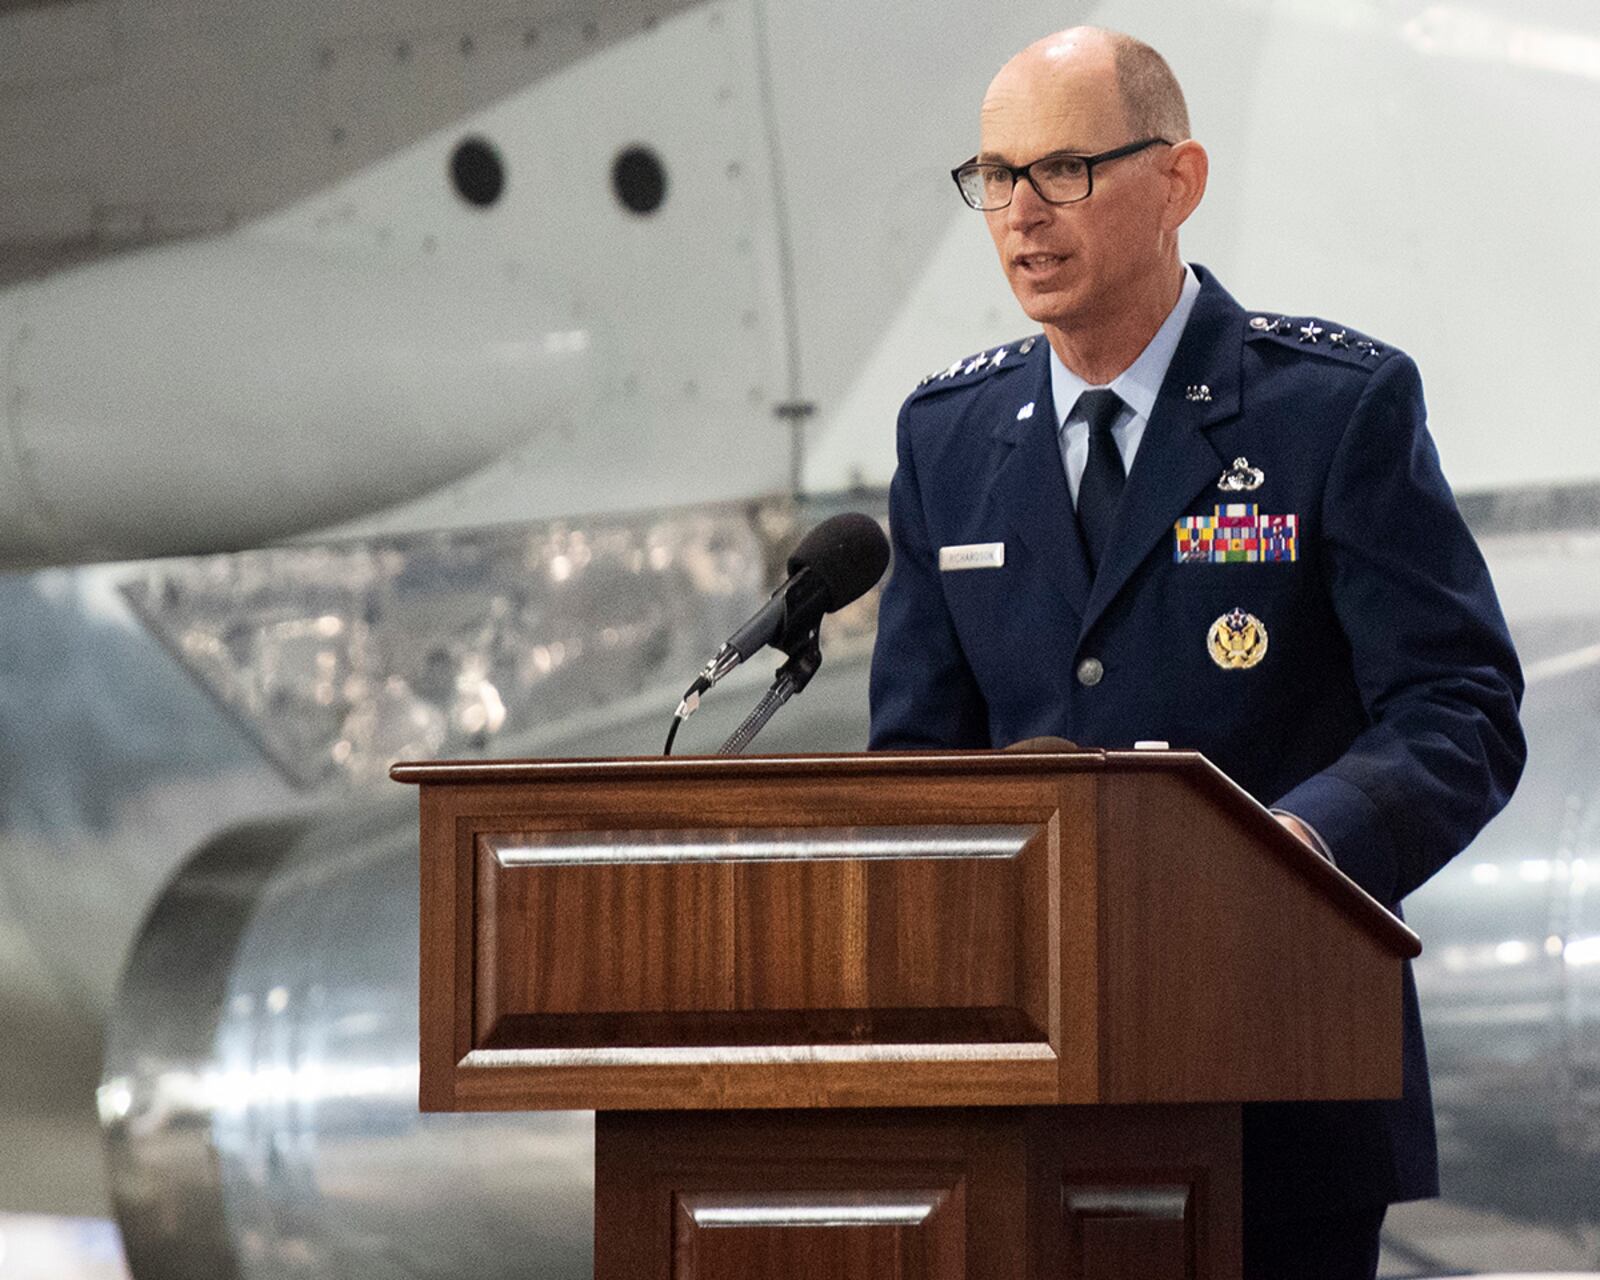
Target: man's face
x=1069, y=264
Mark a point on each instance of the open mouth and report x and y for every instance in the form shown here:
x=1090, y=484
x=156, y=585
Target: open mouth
x=1038, y=263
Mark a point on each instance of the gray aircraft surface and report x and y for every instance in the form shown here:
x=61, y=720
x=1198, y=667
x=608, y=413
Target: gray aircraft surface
x=381, y=381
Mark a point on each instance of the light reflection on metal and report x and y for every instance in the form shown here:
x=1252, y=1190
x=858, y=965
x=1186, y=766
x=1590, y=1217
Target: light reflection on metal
x=1460, y=958
x=1168, y=1203
x=260, y=1094
x=1582, y=951
x=1513, y=1022
x=787, y=1209
x=342, y=659
x=1512, y=951
x=761, y=1054
x=591, y=848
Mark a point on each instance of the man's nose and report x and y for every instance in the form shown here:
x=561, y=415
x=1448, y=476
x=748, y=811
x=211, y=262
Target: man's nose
x=1027, y=207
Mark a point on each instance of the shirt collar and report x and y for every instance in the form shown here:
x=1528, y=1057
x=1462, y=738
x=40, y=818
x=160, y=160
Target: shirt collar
x=1140, y=382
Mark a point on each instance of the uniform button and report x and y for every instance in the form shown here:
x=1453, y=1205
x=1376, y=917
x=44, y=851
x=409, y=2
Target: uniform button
x=1090, y=672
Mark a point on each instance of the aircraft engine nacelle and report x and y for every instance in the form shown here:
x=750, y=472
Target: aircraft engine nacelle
x=223, y=394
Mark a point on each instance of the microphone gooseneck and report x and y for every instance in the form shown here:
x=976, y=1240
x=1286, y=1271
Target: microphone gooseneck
x=836, y=563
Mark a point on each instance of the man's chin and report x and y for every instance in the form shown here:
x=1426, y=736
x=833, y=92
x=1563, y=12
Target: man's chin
x=1048, y=307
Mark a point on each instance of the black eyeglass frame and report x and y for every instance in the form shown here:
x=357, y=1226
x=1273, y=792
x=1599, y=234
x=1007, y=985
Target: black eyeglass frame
x=1019, y=172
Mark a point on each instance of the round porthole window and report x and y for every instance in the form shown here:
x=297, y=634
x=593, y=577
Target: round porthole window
x=639, y=180
x=478, y=173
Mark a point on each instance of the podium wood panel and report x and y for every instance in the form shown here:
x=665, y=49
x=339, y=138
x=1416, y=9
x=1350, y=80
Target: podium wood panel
x=1202, y=903
x=818, y=951
x=1073, y=1193
x=910, y=1234
x=776, y=932
x=929, y=1016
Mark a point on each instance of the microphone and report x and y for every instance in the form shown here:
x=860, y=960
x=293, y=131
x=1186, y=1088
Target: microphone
x=836, y=563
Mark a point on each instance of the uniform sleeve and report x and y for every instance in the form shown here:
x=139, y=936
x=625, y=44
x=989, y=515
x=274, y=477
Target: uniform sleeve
x=1438, y=677
x=923, y=693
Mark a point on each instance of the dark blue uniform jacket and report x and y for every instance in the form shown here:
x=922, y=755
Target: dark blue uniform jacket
x=1383, y=711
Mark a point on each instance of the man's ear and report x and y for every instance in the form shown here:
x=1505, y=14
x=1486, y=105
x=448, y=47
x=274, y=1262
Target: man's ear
x=1187, y=169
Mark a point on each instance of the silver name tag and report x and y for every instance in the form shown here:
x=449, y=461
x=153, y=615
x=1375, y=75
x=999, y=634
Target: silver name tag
x=974, y=555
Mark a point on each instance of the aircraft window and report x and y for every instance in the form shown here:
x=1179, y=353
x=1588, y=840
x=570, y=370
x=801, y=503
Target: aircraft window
x=639, y=179
x=478, y=172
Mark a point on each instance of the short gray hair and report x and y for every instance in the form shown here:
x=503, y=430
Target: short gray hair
x=1151, y=96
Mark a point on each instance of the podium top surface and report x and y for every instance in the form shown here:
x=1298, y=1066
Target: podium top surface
x=457, y=772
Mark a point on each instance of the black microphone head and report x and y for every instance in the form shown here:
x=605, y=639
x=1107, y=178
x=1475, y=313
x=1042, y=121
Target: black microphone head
x=847, y=552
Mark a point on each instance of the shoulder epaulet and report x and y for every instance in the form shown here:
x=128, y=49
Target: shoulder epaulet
x=975, y=368
x=1318, y=337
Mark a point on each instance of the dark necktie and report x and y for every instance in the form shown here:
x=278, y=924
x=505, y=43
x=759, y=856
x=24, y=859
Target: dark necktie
x=1101, y=485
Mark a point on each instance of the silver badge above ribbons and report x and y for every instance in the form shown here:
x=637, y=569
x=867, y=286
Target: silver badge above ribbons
x=1241, y=477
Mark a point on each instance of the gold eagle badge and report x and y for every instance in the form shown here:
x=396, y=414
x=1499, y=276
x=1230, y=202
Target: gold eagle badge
x=1237, y=640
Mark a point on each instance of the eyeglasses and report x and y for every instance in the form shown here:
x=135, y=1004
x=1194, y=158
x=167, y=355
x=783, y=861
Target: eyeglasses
x=1060, y=178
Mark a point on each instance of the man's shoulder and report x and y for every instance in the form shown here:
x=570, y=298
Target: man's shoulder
x=1316, y=339
x=974, y=371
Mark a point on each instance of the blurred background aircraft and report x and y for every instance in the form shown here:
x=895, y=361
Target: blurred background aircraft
x=388, y=380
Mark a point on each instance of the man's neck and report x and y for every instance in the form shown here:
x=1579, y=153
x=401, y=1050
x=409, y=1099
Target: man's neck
x=1099, y=353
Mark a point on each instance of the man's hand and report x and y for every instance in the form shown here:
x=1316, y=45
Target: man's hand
x=1297, y=828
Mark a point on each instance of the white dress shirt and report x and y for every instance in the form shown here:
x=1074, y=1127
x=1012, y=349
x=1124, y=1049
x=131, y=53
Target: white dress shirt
x=1138, y=385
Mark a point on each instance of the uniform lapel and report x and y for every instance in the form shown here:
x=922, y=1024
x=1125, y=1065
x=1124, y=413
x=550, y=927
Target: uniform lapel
x=1176, y=459
x=1031, y=485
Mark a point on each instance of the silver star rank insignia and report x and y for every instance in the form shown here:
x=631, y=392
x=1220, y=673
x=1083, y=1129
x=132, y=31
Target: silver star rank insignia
x=1309, y=331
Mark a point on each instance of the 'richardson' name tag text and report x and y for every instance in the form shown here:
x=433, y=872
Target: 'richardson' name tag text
x=974, y=555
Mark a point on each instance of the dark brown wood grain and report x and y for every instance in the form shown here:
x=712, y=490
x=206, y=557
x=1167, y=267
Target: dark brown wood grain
x=799, y=933
x=573, y=940
x=1145, y=1191
x=960, y=1175
x=756, y=1028
x=640, y=773
x=1097, y=1193
x=609, y=935
x=1153, y=929
x=1154, y=917
x=860, y=1076
x=555, y=944
x=893, y=1234
x=1226, y=974
x=914, y=954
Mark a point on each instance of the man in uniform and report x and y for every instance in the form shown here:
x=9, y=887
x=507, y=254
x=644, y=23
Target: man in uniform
x=1172, y=518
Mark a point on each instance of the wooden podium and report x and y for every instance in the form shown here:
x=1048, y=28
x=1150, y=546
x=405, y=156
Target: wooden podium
x=925, y=1015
